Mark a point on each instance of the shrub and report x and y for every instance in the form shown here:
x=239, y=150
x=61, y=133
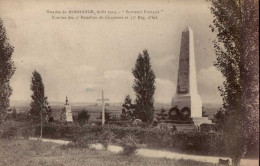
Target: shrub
x=83, y=116
x=11, y=129
x=120, y=123
x=82, y=142
x=108, y=115
x=129, y=144
x=196, y=142
x=106, y=137
x=208, y=127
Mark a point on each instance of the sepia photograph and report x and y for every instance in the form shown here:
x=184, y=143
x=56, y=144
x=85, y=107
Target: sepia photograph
x=129, y=83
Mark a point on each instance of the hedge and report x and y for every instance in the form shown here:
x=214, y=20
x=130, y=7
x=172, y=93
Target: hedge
x=194, y=142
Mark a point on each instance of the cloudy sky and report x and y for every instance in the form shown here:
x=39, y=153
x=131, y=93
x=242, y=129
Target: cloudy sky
x=79, y=58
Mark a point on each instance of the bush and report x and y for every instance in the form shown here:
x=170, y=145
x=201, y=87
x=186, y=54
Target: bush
x=58, y=130
x=106, y=137
x=129, y=144
x=83, y=142
x=83, y=116
x=208, y=127
x=120, y=123
x=195, y=142
x=11, y=129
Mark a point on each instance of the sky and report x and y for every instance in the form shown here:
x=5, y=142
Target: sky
x=79, y=58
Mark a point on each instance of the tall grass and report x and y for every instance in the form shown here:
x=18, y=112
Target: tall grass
x=34, y=153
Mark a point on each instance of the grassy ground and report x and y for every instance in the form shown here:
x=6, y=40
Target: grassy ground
x=33, y=153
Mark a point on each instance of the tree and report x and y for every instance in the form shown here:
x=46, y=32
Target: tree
x=237, y=51
x=40, y=109
x=108, y=115
x=7, y=70
x=128, y=111
x=144, y=87
x=83, y=116
x=219, y=119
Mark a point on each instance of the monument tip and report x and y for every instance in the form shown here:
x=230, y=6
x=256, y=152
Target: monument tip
x=187, y=29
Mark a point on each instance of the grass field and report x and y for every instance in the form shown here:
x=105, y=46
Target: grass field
x=34, y=153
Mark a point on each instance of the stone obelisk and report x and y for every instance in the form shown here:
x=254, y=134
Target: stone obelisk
x=187, y=97
x=66, y=113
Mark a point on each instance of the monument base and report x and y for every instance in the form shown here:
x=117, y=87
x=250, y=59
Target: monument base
x=192, y=102
x=199, y=121
x=192, y=124
x=68, y=113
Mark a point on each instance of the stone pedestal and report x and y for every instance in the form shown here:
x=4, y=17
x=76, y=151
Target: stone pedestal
x=68, y=113
x=180, y=125
x=193, y=102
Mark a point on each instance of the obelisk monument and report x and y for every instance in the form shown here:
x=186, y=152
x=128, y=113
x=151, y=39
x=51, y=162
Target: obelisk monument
x=66, y=113
x=187, y=96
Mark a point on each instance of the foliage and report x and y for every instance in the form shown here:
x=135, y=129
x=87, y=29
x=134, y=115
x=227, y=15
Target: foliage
x=115, y=118
x=209, y=127
x=219, y=119
x=28, y=152
x=120, y=123
x=23, y=117
x=7, y=70
x=128, y=111
x=83, y=116
x=39, y=105
x=108, y=115
x=11, y=129
x=162, y=115
x=237, y=50
x=129, y=144
x=106, y=137
x=57, y=130
x=144, y=88
x=83, y=141
x=187, y=142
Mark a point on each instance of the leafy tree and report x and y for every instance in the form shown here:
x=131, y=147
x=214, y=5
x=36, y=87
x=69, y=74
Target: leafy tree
x=162, y=115
x=7, y=70
x=39, y=103
x=14, y=113
x=128, y=111
x=219, y=119
x=83, y=116
x=237, y=50
x=144, y=87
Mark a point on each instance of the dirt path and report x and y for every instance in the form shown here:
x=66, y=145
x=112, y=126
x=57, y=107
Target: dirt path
x=161, y=153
